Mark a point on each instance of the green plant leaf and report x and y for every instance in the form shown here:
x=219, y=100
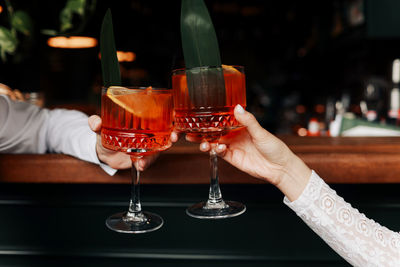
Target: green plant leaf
x=22, y=22
x=204, y=73
x=109, y=60
x=49, y=32
x=66, y=15
x=8, y=42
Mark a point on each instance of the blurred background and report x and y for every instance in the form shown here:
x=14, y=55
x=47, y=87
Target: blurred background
x=304, y=60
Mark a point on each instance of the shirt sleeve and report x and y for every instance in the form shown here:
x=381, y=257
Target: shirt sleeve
x=68, y=132
x=359, y=240
x=25, y=128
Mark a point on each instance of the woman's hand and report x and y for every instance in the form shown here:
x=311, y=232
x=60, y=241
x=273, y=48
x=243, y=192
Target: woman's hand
x=118, y=160
x=259, y=153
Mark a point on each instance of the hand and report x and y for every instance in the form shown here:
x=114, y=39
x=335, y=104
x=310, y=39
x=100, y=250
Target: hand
x=118, y=160
x=259, y=153
x=13, y=94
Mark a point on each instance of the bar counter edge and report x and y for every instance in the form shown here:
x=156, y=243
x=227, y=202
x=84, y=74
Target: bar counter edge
x=336, y=160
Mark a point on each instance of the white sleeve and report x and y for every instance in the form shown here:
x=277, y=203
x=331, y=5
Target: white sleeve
x=68, y=132
x=359, y=240
x=21, y=126
x=25, y=128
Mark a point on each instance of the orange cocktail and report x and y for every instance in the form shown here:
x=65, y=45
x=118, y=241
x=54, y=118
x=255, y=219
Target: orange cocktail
x=208, y=121
x=204, y=111
x=136, y=121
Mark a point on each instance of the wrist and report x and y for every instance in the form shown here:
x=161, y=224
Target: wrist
x=294, y=178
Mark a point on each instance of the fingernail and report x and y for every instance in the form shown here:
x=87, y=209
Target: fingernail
x=221, y=147
x=174, y=137
x=240, y=109
x=203, y=146
x=96, y=122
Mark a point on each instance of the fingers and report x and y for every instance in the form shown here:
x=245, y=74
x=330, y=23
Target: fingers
x=174, y=137
x=95, y=123
x=220, y=148
x=5, y=90
x=247, y=119
x=18, y=95
x=205, y=147
x=145, y=162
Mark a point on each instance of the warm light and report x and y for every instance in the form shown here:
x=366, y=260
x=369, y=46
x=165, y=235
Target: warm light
x=300, y=109
x=124, y=56
x=395, y=70
x=1, y=9
x=72, y=42
x=302, y=132
x=320, y=108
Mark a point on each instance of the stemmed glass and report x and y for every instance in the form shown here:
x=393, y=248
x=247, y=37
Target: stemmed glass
x=139, y=122
x=206, y=113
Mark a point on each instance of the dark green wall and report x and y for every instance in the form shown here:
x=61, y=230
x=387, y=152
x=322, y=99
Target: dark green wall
x=383, y=20
x=63, y=225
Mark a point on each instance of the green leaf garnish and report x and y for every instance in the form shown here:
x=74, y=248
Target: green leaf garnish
x=205, y=78
x=199, y=41
x=109, y=61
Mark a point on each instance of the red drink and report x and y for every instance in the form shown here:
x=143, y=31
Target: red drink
x=208, y=122
x=205, y=112
x=136, y=121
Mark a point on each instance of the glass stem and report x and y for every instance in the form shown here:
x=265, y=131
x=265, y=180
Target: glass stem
x=135, y=208
x=215, y=196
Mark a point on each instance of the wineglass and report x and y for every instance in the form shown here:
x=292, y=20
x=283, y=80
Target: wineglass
x=205, y=113
x=137, y=121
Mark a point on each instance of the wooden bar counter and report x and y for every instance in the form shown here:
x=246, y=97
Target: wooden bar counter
x=337, y=160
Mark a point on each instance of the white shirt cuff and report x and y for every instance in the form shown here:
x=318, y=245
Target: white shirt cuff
x=110, y=171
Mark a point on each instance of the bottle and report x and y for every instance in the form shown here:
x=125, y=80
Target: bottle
x=374, y=99
x=394, y=98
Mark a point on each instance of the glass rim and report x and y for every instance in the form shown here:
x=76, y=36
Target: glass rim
x=206, y=67
x=139, y=88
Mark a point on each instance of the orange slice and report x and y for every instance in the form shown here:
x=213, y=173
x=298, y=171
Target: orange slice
x=143, y=104
x=230, y=69
x=183, y=86
x=227, y=69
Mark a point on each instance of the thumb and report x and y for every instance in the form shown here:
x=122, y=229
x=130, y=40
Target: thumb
x=94, y=123
x=247, y=119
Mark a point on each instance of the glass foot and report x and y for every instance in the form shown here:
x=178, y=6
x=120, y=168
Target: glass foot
x=221, y=210
x=142, y=223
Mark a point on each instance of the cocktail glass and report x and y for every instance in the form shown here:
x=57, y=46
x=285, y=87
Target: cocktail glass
x=137, y=121
x=207, y=114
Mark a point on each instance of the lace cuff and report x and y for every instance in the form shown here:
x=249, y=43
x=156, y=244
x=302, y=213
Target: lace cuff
x=310, y=193
x=359, y=240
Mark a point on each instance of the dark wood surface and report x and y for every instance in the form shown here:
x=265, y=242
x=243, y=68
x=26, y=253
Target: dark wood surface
x=337, y=160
